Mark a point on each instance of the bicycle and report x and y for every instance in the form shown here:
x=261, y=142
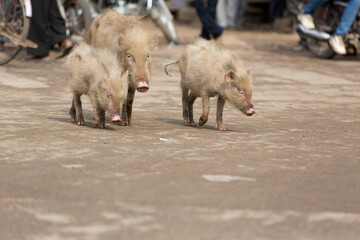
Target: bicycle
x=14, y=27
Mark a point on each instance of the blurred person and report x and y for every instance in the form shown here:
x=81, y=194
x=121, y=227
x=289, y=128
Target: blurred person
x=230, y=13
x=296, y=7
x=276, y=9
x=336, y=41
x=207, y=15
x=47, y=28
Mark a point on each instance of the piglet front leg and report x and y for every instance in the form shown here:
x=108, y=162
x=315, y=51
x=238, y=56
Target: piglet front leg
x=206, y=108
x=219, y=112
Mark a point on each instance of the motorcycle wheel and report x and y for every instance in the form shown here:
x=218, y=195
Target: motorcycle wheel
x=326, y=19
x=162, y=17
x=79, y=17
x=320, y=49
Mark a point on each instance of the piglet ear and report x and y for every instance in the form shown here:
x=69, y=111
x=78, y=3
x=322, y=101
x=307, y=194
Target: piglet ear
x=152, y=42
x=107, y=80
x=120, y=41
x=229, y=77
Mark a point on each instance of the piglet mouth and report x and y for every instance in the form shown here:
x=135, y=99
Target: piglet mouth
x=142, y=87
x=250, y=111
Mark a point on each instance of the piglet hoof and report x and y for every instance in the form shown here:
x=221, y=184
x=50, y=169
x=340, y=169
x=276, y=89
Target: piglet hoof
x=192, y=124
x=125, y=123
x=81, y=123
x=220, y=127
x=73, y=119
x=202, y=121
x=186, y=122
x=101, y=126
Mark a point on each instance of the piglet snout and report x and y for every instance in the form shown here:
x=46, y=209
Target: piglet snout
x=250, y=111
x=142, y=87
x=116, y=118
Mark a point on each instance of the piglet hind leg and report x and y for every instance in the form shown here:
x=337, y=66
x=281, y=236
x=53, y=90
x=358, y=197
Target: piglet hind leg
x=219, y=112
x=78, y=109
x=206, y=108
x=191, y=101
x=185, y=100
x=73, y=112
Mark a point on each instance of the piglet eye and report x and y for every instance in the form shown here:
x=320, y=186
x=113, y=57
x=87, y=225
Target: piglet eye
x=240, y=90
x=109, y=95
x=148, y=56
x=130, y=57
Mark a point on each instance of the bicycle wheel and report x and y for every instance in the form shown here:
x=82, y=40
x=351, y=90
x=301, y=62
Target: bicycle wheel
x=79, y=17
x=14, y=28
x=161, y=15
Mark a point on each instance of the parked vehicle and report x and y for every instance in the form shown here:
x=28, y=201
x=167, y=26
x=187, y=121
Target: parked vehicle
x=78, y=15
x=14, y=27
x=327, y=18
x=156, y=9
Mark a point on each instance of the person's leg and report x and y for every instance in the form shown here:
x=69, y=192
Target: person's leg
x=39, y=31
x=240, y=13
x=348, y=17
x=211, y=7
x=221, y=11
x=276, y=9
x=57, y=23
x=231, y=9
x=207, y=16
x=336, y=41
x=214, y=29
x=306, y=19
x=203, y=15
x=312, y=5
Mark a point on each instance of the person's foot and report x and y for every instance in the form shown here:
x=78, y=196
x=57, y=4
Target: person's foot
x=36, y=58
x=65, y=48
x=337, y=44
x=306, y=20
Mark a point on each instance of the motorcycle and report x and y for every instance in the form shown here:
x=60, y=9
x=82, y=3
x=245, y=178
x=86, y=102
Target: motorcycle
x=326, y=19
x=156, y=9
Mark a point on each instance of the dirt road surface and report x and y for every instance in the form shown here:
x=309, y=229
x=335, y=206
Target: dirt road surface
x=289, y=172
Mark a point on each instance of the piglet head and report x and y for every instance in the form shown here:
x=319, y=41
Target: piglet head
x=116, y=91
x=239, y=91
x=139, y=68
x=137, y=44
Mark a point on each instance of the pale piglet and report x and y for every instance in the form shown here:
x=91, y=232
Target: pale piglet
x=132, y=43
x=96, y=73
x=207, y=69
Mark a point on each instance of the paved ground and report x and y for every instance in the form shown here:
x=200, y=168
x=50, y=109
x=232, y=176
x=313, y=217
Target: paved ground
x=289, y=172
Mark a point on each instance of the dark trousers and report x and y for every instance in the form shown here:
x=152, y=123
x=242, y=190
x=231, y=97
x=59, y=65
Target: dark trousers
x=276, y=9
x=207, y=15
x=47, y=27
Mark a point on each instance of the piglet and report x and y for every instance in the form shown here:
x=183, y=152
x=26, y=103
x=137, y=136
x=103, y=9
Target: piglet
x=207, y=69
x=96, y=72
